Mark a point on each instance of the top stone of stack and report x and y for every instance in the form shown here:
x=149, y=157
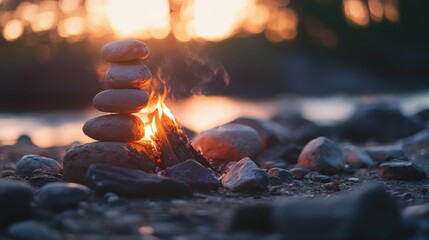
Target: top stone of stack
x=124, y=51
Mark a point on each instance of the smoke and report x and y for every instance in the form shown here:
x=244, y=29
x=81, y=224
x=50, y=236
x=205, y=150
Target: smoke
x=188, y=72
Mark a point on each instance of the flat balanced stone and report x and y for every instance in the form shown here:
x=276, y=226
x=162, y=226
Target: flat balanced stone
x=130, y=155
x=115, y=128
x=128, y=75
x=125, y=50
x=121, y=100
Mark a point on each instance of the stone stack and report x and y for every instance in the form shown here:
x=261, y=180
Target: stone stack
x=120, y=131
x=125, y=79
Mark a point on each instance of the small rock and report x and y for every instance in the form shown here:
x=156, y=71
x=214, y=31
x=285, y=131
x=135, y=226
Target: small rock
x=228, y=143
x=121, y=100
x=317, y=177
x=124, y=50
x=194, y=174
x=131, y=155
x=418, y=211
x=115, y=128
x=30, y=164
x=284, y=175
x=369, y=214
x=400, y=170
x=353, y=179
x=299, y=173
x=15, y=201
x=385, y=153
x=356, y=157
x=379, y=120
x=322, y=155
x=134, y=183
x=128, y=75
x=245, y=176
x=59, y=196
x=270, y=132
x=32, y=230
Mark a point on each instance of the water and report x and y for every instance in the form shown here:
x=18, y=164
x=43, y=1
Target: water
x=196, y=113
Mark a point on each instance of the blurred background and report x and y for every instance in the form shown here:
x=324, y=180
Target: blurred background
x=253, y=57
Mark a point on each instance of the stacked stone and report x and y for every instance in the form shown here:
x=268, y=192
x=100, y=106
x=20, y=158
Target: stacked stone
x=126, y=80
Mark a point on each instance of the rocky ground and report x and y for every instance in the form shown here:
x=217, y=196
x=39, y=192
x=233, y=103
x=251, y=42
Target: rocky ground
x=295, y=185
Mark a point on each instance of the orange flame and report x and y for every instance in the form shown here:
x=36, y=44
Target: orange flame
x=155, y=111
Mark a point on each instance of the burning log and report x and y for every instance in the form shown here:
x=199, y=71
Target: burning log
x=174, y=145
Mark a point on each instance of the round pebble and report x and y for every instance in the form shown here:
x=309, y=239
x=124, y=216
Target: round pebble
x=15, y=200
x=32, y=230
x=128, y=75
x=115, y=128
x=124, y=50
x=121, y=100
x=31, y=163
x=59, y=196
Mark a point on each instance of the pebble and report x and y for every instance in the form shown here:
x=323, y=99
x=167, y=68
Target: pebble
x=121, y=100
x=115, y=128
x=401, y=170
x=385, y=153
x=60, y=196
x=353, y=179
x=128, y=75
x=134, y=183
x=78, y=159
x=194, y=174
x=299, y=173
x=15, y=201
x=370, y=213
x=322, y=155
x=245, y=176
x=124, y=50
x=32, y=163
x=228, y=143
x=356, y=157
x=417, y=211
x=32, y=230
x=380, y=120
x=284, y=175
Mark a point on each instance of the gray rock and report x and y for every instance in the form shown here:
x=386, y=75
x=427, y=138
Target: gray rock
x=322, y=155
x=284, y=175
x=299, y=173
x=128, y=75
x=228, y=143
x=59, y=196
x=379, y=120
x=115, y=128
x=385, y=153
x=32, y=230
x=131, y=155
x=134, y=183
x=121, y=100
x=30, y=164
x=415, y=147
x=124, y=50
x=401, y=170
x=420, y=211
x=194, y=174
x=356, y=157
x=245, y=176
x=15, y=201
x=368, y=214
x=270, y=132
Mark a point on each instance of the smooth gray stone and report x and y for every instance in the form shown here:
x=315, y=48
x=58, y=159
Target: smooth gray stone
x=59, y=196
x=124, y=50
x=31, y=163
x=123, y=101
x=15, y=201
x=128, y=75
x=32, y=230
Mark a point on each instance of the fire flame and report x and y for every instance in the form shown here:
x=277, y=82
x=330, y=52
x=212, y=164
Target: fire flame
x=155, y=111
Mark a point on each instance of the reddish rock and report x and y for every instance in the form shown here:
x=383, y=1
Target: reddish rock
x=121, y=100
x=322, y=155
x=128, y=75
x=124, y=50
x=115, y=128
x=228, y=143
x=130, y=155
